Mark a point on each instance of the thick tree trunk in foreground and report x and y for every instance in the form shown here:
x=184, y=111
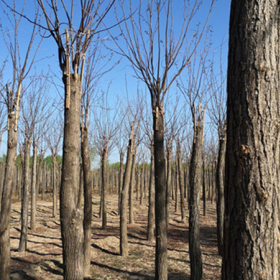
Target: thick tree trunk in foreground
x=161, y=272
x=124, y=197
x=87, y=201
x=251, y=233
x=151, y=211
x=71, y=217
x=220, y=175
x=5, y=247
x=195, y=185
x=25, y=198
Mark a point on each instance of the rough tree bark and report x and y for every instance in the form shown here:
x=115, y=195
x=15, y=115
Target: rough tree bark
x=70, y=216
x=160, y=189
x=5, y=246
x=195, y=185
x=251, y=233
x=132, y=186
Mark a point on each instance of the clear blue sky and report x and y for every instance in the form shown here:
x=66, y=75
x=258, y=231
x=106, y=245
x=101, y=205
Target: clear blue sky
x=48, y=50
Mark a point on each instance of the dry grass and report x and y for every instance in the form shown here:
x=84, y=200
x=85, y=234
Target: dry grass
x=43, y=259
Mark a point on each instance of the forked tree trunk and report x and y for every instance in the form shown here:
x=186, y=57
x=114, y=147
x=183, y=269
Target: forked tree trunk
x=124, y=196
x=87, y=201
x=71, y=218
x=151, y=211
x=25, y=198
x=251, y=236
x=195, y=185
x=161, y=272
x=5, y=247
x=33, y=187
x=220, y=176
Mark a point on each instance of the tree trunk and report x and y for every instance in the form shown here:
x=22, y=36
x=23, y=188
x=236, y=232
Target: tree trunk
x=55, y=168
x=5, y=214
x=161, y=272
x=120, y=179
x=25, y=198
x=169, y=177
x=71, y=218
x=151, y=211
x=87, y=201
x=195, y=185
x=181, y=182
x=104, y=188
x=220, y=175
x=33, y=187
x=251, y=233
x=204, y=187
x=124, y=196
x=132, y=185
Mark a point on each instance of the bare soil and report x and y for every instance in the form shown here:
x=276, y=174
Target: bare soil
x=43, y=259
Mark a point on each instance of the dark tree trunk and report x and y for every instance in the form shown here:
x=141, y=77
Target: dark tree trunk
x=5, y=247
x=161, y=272
x=71, y=218
x=87, y=201
x=251, y=233
x=220, y=176
x=103, y=203
x=151, y=211
x=195, y=185
x=25, y=198
x=124, y=196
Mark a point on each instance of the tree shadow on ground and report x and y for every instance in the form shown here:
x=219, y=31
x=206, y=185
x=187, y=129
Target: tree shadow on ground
x=104, y=250
x=132, y=275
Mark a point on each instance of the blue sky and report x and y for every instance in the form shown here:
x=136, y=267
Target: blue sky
x=48, y=50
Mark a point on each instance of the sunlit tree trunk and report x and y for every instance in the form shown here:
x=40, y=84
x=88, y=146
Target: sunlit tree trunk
x=33, y=186
x=251, y=232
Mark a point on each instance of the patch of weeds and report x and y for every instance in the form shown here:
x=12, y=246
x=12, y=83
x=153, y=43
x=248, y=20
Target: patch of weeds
x=96, y=202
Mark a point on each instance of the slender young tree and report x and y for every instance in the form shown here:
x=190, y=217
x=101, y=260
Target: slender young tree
x=21, y=69
x=217, y=113
x=158, y=56
x=251, y=231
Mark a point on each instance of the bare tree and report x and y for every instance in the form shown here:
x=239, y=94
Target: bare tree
x=217, y=113
x=105, y=130
x=158, y=57
x=22, y=63
x=197, y=96
x=82, y=20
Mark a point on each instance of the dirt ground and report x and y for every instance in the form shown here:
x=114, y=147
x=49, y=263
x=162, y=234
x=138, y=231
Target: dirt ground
x=43, y=259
